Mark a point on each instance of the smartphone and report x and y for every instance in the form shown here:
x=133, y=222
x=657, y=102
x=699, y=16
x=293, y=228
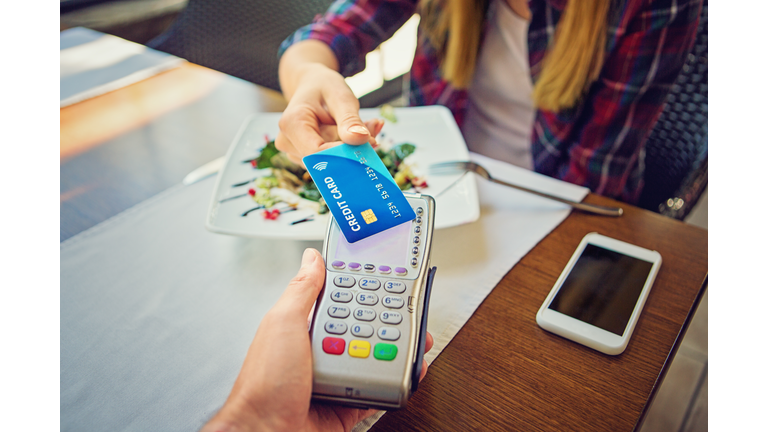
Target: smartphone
x=368, y=329
x=600, y=294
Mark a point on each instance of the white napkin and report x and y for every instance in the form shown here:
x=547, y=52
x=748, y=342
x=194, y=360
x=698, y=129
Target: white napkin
x=157, y=313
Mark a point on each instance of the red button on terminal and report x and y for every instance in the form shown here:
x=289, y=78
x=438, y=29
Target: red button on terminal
x=332, y=345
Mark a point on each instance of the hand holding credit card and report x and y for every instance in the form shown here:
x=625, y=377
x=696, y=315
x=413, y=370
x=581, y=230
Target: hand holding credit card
x=358, y=189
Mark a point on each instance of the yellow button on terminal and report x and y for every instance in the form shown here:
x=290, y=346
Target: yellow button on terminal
x=360, y=349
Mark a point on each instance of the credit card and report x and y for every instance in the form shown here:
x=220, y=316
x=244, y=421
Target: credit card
x=358, y=189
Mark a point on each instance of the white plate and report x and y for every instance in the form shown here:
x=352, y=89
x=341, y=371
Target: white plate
x=431, y=129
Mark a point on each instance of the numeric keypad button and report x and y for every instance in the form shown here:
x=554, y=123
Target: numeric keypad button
x=395, y=287
x=369, y=283
x=393, y=302
x=335, y=327
x=338, y=311
x=344, y=281
x=365, y=314
x=391, y=317
x=389, y=333
x=341, y=296
x=367, y=299
x=362, y=330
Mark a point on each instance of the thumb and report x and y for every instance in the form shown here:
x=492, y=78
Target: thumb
x=345, y=110
x=303, y=289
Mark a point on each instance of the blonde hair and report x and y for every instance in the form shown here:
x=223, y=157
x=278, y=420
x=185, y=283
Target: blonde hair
x=570, y=65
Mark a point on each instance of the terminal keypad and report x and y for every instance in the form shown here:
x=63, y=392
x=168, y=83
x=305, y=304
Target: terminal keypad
x=366, y=313
x=375, y=313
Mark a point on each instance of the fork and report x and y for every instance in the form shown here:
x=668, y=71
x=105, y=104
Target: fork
x=458, y=166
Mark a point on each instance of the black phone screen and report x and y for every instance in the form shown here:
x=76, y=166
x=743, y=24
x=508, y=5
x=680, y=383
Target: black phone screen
x=602, y=288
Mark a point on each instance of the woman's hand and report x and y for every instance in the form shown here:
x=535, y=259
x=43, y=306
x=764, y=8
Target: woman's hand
x=273, y=390
x=322, y=111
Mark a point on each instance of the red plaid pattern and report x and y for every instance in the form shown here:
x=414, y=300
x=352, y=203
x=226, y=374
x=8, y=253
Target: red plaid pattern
x=599, y=143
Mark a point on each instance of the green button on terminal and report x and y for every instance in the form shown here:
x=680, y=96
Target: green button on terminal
x=385, y=351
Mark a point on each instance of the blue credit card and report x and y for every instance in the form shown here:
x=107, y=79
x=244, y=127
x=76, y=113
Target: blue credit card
x=358, y=189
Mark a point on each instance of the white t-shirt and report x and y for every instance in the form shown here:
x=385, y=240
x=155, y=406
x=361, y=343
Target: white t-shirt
x=500, y=114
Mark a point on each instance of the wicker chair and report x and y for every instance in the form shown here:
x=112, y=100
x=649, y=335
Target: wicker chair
x=676, y=151
x=237, y=37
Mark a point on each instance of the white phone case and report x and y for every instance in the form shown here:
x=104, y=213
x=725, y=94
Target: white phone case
x=583, y=332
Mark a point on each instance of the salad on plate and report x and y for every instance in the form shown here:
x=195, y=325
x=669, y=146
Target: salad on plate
x=281, y=186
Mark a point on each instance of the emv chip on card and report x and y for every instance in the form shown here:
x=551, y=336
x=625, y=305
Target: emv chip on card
x=359, y=191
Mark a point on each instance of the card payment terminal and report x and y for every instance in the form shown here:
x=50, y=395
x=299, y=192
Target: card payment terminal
x=369, y=326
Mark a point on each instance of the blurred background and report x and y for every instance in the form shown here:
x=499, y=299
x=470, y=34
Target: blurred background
x=141, y=21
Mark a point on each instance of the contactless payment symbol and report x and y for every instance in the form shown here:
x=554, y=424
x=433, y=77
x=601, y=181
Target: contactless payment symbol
x=320, y=166
x=368, y=216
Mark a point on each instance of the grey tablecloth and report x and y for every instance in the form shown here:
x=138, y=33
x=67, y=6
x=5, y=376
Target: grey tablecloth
x=157, y=313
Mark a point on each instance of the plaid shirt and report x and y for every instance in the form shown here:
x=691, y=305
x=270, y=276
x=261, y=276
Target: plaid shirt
x=599, y=143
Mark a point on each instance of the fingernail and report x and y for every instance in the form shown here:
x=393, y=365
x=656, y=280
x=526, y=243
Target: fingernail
x=308, y=257
x=359, y=130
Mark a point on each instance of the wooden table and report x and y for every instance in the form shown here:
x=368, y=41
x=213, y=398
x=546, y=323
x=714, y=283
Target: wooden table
x=501, y=371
